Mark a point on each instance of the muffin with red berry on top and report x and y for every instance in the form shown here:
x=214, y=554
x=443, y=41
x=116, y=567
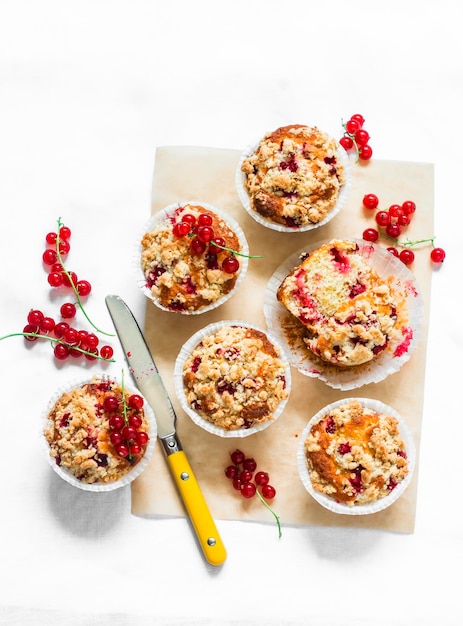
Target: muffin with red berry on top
x=99, y=434
x=294, y=179
x=356, y=456
x=232, y=379
x=193, y=257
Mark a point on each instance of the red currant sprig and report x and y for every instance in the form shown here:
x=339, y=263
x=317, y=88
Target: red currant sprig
x=127, y=436
x=391, y=224
x=356, y=138
x=249, y=482
x=204, y=241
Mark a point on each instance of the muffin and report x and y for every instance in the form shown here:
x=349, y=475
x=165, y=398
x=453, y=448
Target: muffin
x=99, y=434
x=294, y=177
x=354, y=454
x=187, y=258
x=231, y=379
x=350, y=313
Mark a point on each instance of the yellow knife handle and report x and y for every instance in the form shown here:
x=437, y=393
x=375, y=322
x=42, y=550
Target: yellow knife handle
x=197, y=508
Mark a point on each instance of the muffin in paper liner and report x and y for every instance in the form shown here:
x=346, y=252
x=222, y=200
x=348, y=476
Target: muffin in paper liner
x=240, y=178
x=289, y=331
x=278, y=359
x=167, y=216
x=130, y=474
x=366, y=508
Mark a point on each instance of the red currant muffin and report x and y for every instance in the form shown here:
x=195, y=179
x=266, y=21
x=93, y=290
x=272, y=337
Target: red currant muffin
x=294, y=177
x=192, y=258
x=356, y=452
x=98, y=433
x=350, y=313
x=231, y=379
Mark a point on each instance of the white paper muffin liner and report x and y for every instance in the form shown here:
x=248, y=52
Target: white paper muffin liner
x=180, y=391
x=134, y=472
x=160, y=217
x=358, y=509
x=386, y=363
x=344, y=192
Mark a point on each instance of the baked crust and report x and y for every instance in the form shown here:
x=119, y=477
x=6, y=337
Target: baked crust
x=294, y=176
x=235, y=378
x=350, y=313
x=356, y=455
x=180, y=280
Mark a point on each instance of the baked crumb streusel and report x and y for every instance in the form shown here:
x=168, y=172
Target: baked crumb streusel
x=356, y=455
x=294, y=176
x=235, y=378
x=78, y=433
x=180, y=279
x=350, y=313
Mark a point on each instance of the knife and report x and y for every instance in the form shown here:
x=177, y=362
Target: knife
x=149, y=382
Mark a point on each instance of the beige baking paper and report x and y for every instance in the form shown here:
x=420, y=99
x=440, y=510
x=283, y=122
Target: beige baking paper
x=208, y=174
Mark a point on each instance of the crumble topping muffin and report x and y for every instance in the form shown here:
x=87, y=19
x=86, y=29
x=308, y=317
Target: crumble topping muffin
x=349, y=312
x=184, y=271
x=355, y=454
x=294, y=176
x=234, y=378
x=89, y=436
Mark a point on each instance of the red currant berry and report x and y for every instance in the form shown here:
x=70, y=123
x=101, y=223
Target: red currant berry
x=261, y=478
x=346, y=142
x=135, y=401
x=92, y=341
x=49, y=257
x=55, y=279
x=64, y=233
x=83, y=288
x=35, y=317
x=230, y=265
x=352, y=126
x=231, y=472
x=135, y=448
x=407, y=256
x=365, y=152
x=181, y=229
x=122, y=450
x=248, y=490
x=237, y=457
x=358, y=118
x=189, y=219
x=393, y=230
x=205, y=233
x=71, y=336
x=60, y=329
x=111, y=404
x=70, y=279
x=268, y=492
x=61, y=351
x=382, y=218
x=30, y=328
x=361, y=137
x=250, y=465
x=393, y=251
x=395, y=210
x=246, y=476
x=64, y=247
x=142, y=438
x=403, y=220
x=47, y=324
x=204, y=219
x=91, y=354
x=408, y=207
x=370, y=201
x=106, y=352
x=437, y=255
x=116, y=438
x=129, y=433
x=68, y=310
x=370, y=234
x=135, y=421
x=116, y=422
x=50, y=238
x=197, y=246
x=237, y=484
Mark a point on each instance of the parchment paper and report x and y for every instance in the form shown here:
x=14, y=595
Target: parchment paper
x=207, y=174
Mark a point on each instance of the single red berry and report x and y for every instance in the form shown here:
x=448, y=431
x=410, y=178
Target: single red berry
x=395, y=210
x=70, y=279
x=135, y=421
x=189, y=219
x=346, y=142
x=246, y=476
x=204, y=219
x=142, y=438
x=197, y=247
x=358, y=118
x=205, y=233
x=116, y=438
x=352, y=126
x=181, y=229
x=116, y=422
x=64, y=247
x=35, y=317
x=216, y=245
x=261, y=478
x=370, y=201
x=64, y=233
x=92, y=340
x=91, y=354
x=129, y=433
x=237, y=484
x=365, y=152
x=393, y=251
x=237, y=457
x=370, y=234
x=403, y=220
x=60, y=329
x=49, y=257
x=50, y=238
x=248, y=490
x=408, y=207
x=230, y=265
x=393, y=230
x=61, y=351
x=83, y=288
x=250, y=465
x=268, y=492
x=122, y=450
x=407, y=256
x=31, y=331
x=106, y=352
x=382, y=218
x=111, y=404
x=55, y=279
x=231, y=472
x=71, y=336
x=47, y=325
x=437, y=255
x=135, y=448
x=68, y=310
x=135, y=401
x=361, y=137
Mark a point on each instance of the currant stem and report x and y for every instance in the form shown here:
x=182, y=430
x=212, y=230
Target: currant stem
x=74, y=288
x=272, y=512
x=235, y=253
x=53, y=340
x=357, y=151
x=409, y=244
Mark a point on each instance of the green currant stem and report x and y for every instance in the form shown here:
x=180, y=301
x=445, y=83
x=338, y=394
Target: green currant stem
x=272, y=512
x=74, y=288
x=124, y=403
x=409, y=244
x=357, y=151
x=53, y=340
x=234, y=252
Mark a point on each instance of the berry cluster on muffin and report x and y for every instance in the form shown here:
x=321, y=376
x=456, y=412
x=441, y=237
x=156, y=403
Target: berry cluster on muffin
x=294, y=176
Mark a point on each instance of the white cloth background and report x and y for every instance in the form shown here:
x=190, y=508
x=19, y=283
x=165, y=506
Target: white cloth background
x=87, y=92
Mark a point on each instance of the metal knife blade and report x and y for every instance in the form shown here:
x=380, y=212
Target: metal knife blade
x=149, y=382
